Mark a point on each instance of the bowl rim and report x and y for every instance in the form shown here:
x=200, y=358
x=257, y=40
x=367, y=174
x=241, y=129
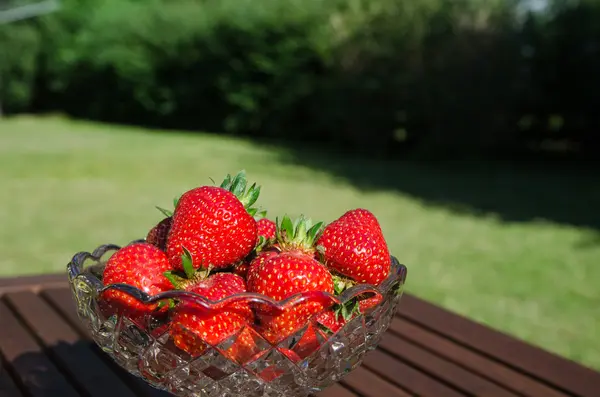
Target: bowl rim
x=78, y=274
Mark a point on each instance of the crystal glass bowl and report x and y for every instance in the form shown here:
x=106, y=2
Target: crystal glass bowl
x=288, y=368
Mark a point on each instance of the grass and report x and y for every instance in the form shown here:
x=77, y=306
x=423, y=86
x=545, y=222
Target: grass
x=69, y=186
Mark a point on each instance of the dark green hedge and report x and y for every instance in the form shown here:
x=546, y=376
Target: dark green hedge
x=429, y=77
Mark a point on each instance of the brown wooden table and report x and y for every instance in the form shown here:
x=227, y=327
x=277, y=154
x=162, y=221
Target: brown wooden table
x=428, y=351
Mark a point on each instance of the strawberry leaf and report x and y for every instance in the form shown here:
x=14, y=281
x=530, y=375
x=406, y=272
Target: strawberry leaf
x=170, y=303
x=300, y=226
x=262, y=242
x=348, y=309
x=339, y=286
x=187, y=263
x=314, y=231
x=165, y=212
x=259, y=213
x=345, y=312
x=252, y=195
x=176, y=280
x=226, y=184
x=340, y=283
x=176, y=201
x=238, y=184
x=288, y=227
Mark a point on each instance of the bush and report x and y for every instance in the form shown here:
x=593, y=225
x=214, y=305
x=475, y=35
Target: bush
x=435, y=77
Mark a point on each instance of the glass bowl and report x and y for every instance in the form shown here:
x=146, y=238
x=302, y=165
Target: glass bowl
x=289, y=368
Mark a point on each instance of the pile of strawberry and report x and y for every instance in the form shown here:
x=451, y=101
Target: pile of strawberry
x=213, y=244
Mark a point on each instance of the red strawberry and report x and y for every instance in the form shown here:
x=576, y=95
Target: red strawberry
x=354, y=246
x=244, y=349
x=311, y=340
x=332, y=320
x=140, y=265
x=214, y=224
x=193, y=326
x=241, y=269
x=157, y=236
x=273, y=372
x=261, y=257
x=288, y=272
x=263, y=251
x=336, y=317
x=365, y=304
x=266, y=228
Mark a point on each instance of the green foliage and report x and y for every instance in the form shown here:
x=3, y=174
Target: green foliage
x=438, y=77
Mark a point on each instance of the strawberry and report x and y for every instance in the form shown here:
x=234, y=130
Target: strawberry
x=193, y=327
x=245, y=349
x=263, y=250
x=258, y=260
x=354, y=246
x=157, y=236
x=332, y=320
x=285, y=272
x=140, y=265
x=365, y=304
x=215, y=224
x=241, y=269
x=266, y=228
x=274, y=371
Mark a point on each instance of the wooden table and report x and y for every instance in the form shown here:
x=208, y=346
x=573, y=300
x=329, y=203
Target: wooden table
x=427, y=351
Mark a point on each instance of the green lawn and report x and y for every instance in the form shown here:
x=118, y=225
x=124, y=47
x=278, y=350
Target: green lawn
x=70, y=186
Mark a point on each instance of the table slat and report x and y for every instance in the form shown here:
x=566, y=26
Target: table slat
x=441, y=368
x=428, y=351
x=407, y=377
x=336, y=390
x=474, y=362
x=367, y=384
x=35, y=371
x=38, y=279
x=552, y=369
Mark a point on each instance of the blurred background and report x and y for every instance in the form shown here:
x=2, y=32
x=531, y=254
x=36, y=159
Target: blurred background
x=469, y=127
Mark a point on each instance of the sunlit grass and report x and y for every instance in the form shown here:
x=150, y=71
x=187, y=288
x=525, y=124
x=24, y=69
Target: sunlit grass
x=69, y=186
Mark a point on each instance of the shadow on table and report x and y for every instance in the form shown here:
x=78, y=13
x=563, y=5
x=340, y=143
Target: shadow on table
x=75, y=369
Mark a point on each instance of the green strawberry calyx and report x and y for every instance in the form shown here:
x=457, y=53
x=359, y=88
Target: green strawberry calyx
x=190, y=275
x=349, y=309
x=299, y=234
x=259, y=214
x=237, y=185
x=166, y=212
